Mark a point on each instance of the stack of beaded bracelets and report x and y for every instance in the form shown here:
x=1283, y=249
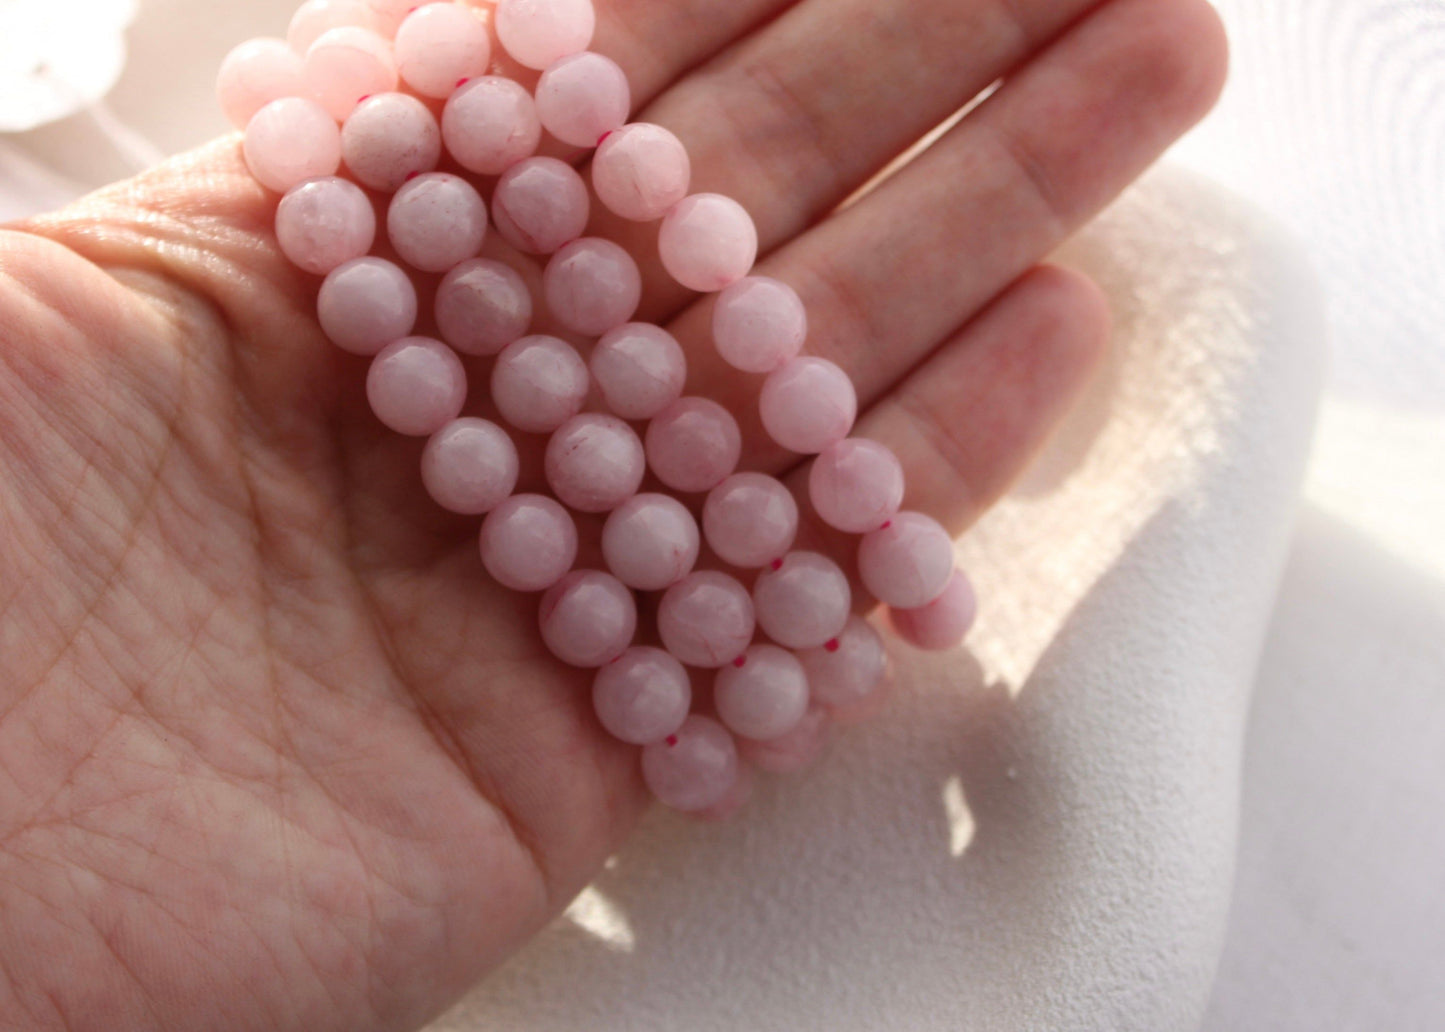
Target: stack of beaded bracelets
x=391, y=90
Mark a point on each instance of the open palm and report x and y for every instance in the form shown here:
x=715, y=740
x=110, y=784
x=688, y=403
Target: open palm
x=274, y=752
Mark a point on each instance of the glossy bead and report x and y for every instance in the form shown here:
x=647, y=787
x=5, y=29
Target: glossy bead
x=856, y=485
x=643, y=696
x=808, y=404
x=758, y=324
x=436, y=221
x=792, y=751
x=482, y=306
x=592, y=285
x=540, y=204
x=762, y=694
x=694, y=768
x=470, y=466
x=707, y=242
x=650, y=542
x=439, y=45
x=594, y=462
x=389, y=138
x=289, y=141
x=324, y=223
x=639, y=369
x=346, y=64
x=416, y=386
x=848, y=668
x=942, y=623
x=706, y=619
x=641, y=171
x=588, y=618
x=538, y=383
x=253, y=75
x=528, y=543
x=490, y=124
x=366, y=304
x=749, y=520
x=693, y=444
x=387, y=15
x=314, y=18
x=539, y=32
x=583, y=97
x=802, y=600
x=907, y=562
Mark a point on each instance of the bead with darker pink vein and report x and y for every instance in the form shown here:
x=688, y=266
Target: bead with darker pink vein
x=594, y=462
x=706, y=619
x=639, y=369
x=323, y=223
x=693, y=444
x=641, y=171
x=540, y=204
x=388, y=139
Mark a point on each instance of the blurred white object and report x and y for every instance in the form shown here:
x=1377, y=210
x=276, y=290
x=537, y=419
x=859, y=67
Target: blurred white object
x=58, y=57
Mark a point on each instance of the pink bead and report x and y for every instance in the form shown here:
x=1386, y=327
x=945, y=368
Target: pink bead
x=707, y=242
x=693, y=444
x=436, y=221
x=641, y=171
x=583, y=97
x=416, y=386
x=639, y=369
x=388, y=139
x=802, y=600
x=856, y=485
x=490, y=124
x=650, y=542
x=643, y=696
x=758, y=324
x=592, y=285
x=366, y=304
x=588, y=618
x=346, y=64
x=762, y=694
x=387, y=15
x=540, y=204
x=942, y=623
x=528, y=543
x=289, y=141
x=253, y=75
x=470, y=466
x=807, y=405
x=693, y=769
x=749, y=520
x=706, y=619
x=539, y=32
x=847, y=669
x=482, y=306
x=314, y=18
x=906, y=563
x=323, y=223
x=793, y=751
x=594, y=462
x=733, y=801
x=438, y=45
x=538, y=383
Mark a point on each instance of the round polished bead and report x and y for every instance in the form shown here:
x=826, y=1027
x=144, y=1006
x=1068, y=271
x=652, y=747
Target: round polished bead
x=762, y=694
x=641, y=171
x=253, y=75
x=694, y=768
x=942, y=623
x=758, y=324
x=643, y=696
x=387, y=15
x=540, y=204
x=366, y=304
x=639, y=369
x=588, y=618
x=792, y=751
x=650, y=542
x=856, y=485
x=907, y=562
x=528, y=543
x=416, y=386
x=438, y=45
x=707, y=242
x=345, y=64
x=808, y=404
x=538, y=383
x=490, y=124
x=470, y=466
x=749, y=520
x=388, y=139
x=583, y=97
x=693, y=444
x=706, y=619
x=315, y=18
x=846, y=669
x=436, y=221
x=538, y=33
x=802, y=600
x=323, y=223
x=289, y=141
x=594, y=462
x=592, y=285
x=482, y=306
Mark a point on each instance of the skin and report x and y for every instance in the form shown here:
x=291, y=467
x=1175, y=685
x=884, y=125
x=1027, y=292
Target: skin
x=274, y=754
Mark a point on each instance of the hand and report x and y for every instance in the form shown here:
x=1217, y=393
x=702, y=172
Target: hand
x=275, y=753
